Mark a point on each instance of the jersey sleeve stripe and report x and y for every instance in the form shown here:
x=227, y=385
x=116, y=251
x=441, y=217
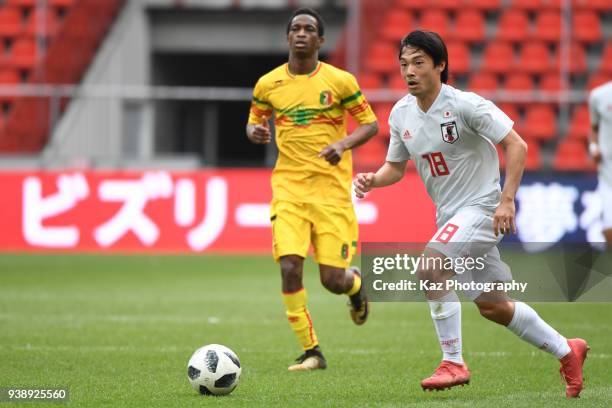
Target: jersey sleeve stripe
x=351, y=98
x=259, y=101
x=362, y=107
x=260, y=112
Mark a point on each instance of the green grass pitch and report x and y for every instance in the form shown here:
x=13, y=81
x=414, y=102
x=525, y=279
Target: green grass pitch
x=118, y=331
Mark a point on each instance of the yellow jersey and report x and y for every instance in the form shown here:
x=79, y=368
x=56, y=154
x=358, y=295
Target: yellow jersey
x=310, y=113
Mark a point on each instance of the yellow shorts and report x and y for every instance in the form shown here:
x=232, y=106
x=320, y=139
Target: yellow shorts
x=332, y=230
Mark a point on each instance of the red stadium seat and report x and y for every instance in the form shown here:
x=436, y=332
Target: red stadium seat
x=483, y=82
x=436, y=20
x=534, y=58
x=8, y=76
x=22, y=3
x=397, y=83
x=580, y=124
x=534, y=157
x=519, y=82
x=450, y=5
x=540, y=122
x=536, y=5
x=586, y=26
x=412, y=5
x=484, y=5
x=548, y=26
x=61, y=3
x=551, y=82
x=397, y=24
x=513, y=26
x=606, y=59
x=598, y=79
x=47, y=20
x=368, y=80
x=24, y=54
x=597, y=5
x=498, y=57
x=381, y=57
x=572, y=155
x=577, y=59
x=10, y=21
x=459, y=57
x=470, y=26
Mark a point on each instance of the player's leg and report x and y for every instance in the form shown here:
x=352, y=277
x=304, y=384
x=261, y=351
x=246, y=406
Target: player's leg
x=523, y=321
x=347, y=280
x=334, y=238
x=445, y=310
x=291, y=237
x=455, y=239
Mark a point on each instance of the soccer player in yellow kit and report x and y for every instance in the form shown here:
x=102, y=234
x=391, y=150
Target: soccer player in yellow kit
x=311, y=181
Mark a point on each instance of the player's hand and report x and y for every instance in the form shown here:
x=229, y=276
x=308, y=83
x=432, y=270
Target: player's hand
x=363, y=183
x=260, y=134
x=333, y=153
x=504, y=219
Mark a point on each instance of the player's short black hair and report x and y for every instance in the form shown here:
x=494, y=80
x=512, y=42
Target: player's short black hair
x=431, y=44
x=310, y=12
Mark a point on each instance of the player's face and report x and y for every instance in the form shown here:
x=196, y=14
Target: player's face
x=419, y=71
x=303, y=36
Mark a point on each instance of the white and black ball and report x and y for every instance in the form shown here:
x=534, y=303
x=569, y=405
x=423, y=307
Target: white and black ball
x=214, y=370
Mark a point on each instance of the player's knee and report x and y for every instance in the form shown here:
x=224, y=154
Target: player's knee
x=495, y=311
x=429, y=274
x=334, y=280
x=291, y=269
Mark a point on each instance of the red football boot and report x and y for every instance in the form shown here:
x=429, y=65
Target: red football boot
x=447, y=375
x=571, y=366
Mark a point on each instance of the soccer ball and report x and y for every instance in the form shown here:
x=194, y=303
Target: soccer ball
x=214, y=370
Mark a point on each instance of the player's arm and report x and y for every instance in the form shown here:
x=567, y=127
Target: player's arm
x=259, y=133
x=515, y=150
x=333, y=152
x=389, y=173
x=257, y=128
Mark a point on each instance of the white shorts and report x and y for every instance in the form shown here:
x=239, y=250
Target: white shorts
x=469, y=233
x=605, y=192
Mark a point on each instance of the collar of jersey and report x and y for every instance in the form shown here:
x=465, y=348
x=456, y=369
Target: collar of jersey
x=313, y=73
x=442, y=88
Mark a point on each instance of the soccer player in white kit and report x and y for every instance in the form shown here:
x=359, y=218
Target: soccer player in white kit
x=600, y=147
x=450, y=136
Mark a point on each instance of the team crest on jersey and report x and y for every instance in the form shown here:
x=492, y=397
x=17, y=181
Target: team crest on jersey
x=325, y=98
x=344, y=251
x=449, y=132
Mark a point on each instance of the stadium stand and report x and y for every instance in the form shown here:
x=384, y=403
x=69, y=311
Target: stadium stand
x=494, y=45
x=515, y=46
x=69, y=42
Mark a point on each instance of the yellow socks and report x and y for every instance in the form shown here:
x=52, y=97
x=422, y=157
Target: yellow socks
x=356, y=284
x=299, y=318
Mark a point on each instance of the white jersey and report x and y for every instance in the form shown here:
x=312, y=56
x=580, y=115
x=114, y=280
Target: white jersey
x=452, y=145
x=600, y=107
